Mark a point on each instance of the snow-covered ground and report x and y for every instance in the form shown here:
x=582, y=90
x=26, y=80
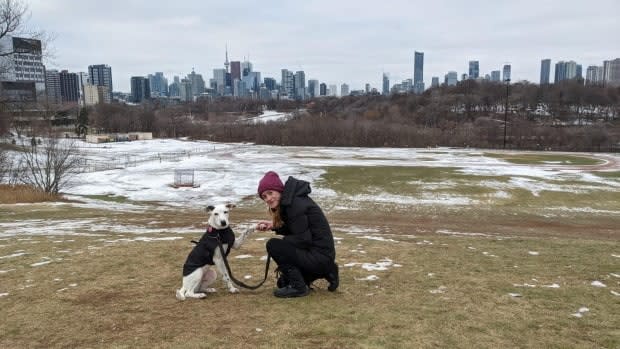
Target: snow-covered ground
x=229, y=172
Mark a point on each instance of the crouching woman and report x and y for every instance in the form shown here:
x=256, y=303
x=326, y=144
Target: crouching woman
x=306, y=253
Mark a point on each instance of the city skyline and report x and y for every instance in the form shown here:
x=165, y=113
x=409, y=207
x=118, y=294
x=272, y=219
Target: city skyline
x=324, y=40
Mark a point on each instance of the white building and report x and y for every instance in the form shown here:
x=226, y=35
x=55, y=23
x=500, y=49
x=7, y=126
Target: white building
x=23, y=65
x=344, y=90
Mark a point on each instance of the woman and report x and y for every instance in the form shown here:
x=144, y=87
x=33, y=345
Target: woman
x=306, y=252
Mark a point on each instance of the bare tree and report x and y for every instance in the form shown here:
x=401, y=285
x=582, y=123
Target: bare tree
x=50, y=165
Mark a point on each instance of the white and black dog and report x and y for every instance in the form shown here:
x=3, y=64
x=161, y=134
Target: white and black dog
x=197, y=275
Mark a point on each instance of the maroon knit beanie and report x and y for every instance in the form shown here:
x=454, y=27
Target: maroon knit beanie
x=271, y=181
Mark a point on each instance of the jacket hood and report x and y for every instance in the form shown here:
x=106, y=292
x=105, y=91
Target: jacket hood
x=292, y=188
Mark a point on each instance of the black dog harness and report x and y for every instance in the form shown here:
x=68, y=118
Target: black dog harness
x=203, y=252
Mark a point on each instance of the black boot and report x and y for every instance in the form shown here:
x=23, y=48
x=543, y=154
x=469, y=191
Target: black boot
x=282, y=279
x=332, y=278
x=297, y=286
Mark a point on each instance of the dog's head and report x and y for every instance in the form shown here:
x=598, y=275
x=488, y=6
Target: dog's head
x=218, y=215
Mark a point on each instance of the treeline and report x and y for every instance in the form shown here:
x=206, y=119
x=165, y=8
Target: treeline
x=567, y=116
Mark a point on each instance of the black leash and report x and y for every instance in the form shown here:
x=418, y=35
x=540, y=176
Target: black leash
x=219, y=244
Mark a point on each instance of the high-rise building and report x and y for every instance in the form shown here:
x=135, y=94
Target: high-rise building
x=219, y=75
x=506, y=72
x=198, y=83
x=22, y=76
x=270, y=83
x=323, y=89
x=474, y=69
x=159, y=84
x=185, y=89
x=246, y=68
x=287, y=84
x=91, y=94
x=344, y=90
x=435, y=82
x=611, y=71
x=594, y=75
x=69, y=87
x=52, y=86
x=313, y=88
x=418, y=73
x=101, y=75
x=386, y=85
x=299, y=81
x=565, y=71
x=579, y=72
x=235, y=70
x=140, y=89
x=496, y=75
x=452, y=78
x=545, y=71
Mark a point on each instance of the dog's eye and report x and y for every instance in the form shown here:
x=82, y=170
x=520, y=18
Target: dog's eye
x=215, y=214
x=225, y=212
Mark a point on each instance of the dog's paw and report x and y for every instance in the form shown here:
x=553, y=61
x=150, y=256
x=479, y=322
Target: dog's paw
x=233, y=290
x=180, y=295
x=199, y=295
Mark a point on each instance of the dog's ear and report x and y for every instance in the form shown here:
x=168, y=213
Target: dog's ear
x=210, y=208
x=229, y=206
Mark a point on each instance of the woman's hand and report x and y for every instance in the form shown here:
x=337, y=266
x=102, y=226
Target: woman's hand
x=264, y=225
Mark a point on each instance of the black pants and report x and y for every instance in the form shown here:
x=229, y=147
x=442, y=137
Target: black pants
x=312, y=264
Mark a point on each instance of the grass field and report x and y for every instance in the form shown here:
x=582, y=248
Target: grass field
x=445, y=259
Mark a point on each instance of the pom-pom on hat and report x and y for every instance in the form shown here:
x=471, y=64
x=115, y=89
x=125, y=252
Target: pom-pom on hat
x=271, y=181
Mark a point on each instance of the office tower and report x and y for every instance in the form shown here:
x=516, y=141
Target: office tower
x=101, y=75
x=474, y=69
x=323, y=89
x=159, y=84
x=545, y=71
x=611, y=71
x=464, y=77
x=52, y=86
x=198, y=83
x=246, y=68
x=140, y=89
x=579, y=72
x=386, y=85
x=185, y=88
x=174, y=90
x=252, y=81
x=235, y=70
x=287, y=84
x=22, y=74
x=270, y=83
x=496, y=76
x=594, y=75
x=69, y=87
x=435, y=82
x=219, y=75
x=565, y=71
x=452, y=78
x=299, y=81
x=344, y=90
x=313, y=88
x=418, y=73
x=506, y=72
x=239, y=88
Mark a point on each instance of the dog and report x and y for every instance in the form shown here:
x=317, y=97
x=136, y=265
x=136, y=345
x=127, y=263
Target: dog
x=197, y=273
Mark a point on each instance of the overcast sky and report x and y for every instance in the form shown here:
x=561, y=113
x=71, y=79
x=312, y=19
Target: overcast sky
x=332, y=41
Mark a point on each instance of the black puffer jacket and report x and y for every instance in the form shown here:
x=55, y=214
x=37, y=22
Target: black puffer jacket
x=305, y=225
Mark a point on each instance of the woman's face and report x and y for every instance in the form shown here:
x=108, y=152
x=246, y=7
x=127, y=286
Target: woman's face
x=271, y=198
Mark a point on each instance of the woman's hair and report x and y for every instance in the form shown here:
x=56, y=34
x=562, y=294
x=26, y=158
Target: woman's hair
x=276, y=217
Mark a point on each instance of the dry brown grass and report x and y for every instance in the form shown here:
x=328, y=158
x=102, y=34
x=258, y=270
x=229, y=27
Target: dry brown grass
x=105, y=292
x=14, y=194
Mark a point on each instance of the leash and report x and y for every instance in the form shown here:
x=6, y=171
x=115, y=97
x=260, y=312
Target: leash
x=219, y=244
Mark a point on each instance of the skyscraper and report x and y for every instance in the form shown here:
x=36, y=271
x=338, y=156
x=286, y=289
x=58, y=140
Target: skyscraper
x=69, y=87
x=287, y=84
x=270, y=83
x=418, y=73
x=565, y=71
x=313, y=88
x=158, y=84
x=52, y=86
x=344, y=90
x=101, y=75
x=235, y=70
x=594, y=75
x=496, y=75
x=140, y=89
x=506, y=72
x=612, y=73
x=300, y=85
x=452, y=78
x=323, y=89
x=435, y=82
x=386, y=85
x=474, y=69
x=545, y=71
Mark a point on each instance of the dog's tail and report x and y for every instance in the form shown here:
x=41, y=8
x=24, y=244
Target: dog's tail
x=181, y=294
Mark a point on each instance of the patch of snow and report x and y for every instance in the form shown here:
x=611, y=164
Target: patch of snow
x=551, y=286
x=533, y=253
x=13, y=255
x=40, y=263
x=440, y=289
x=598, y=284
x=368, y=278
x=377, y=238
x=380, y=265
x=4, y=294
x=243, y=256
x=615, y=293
x=514, y=294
